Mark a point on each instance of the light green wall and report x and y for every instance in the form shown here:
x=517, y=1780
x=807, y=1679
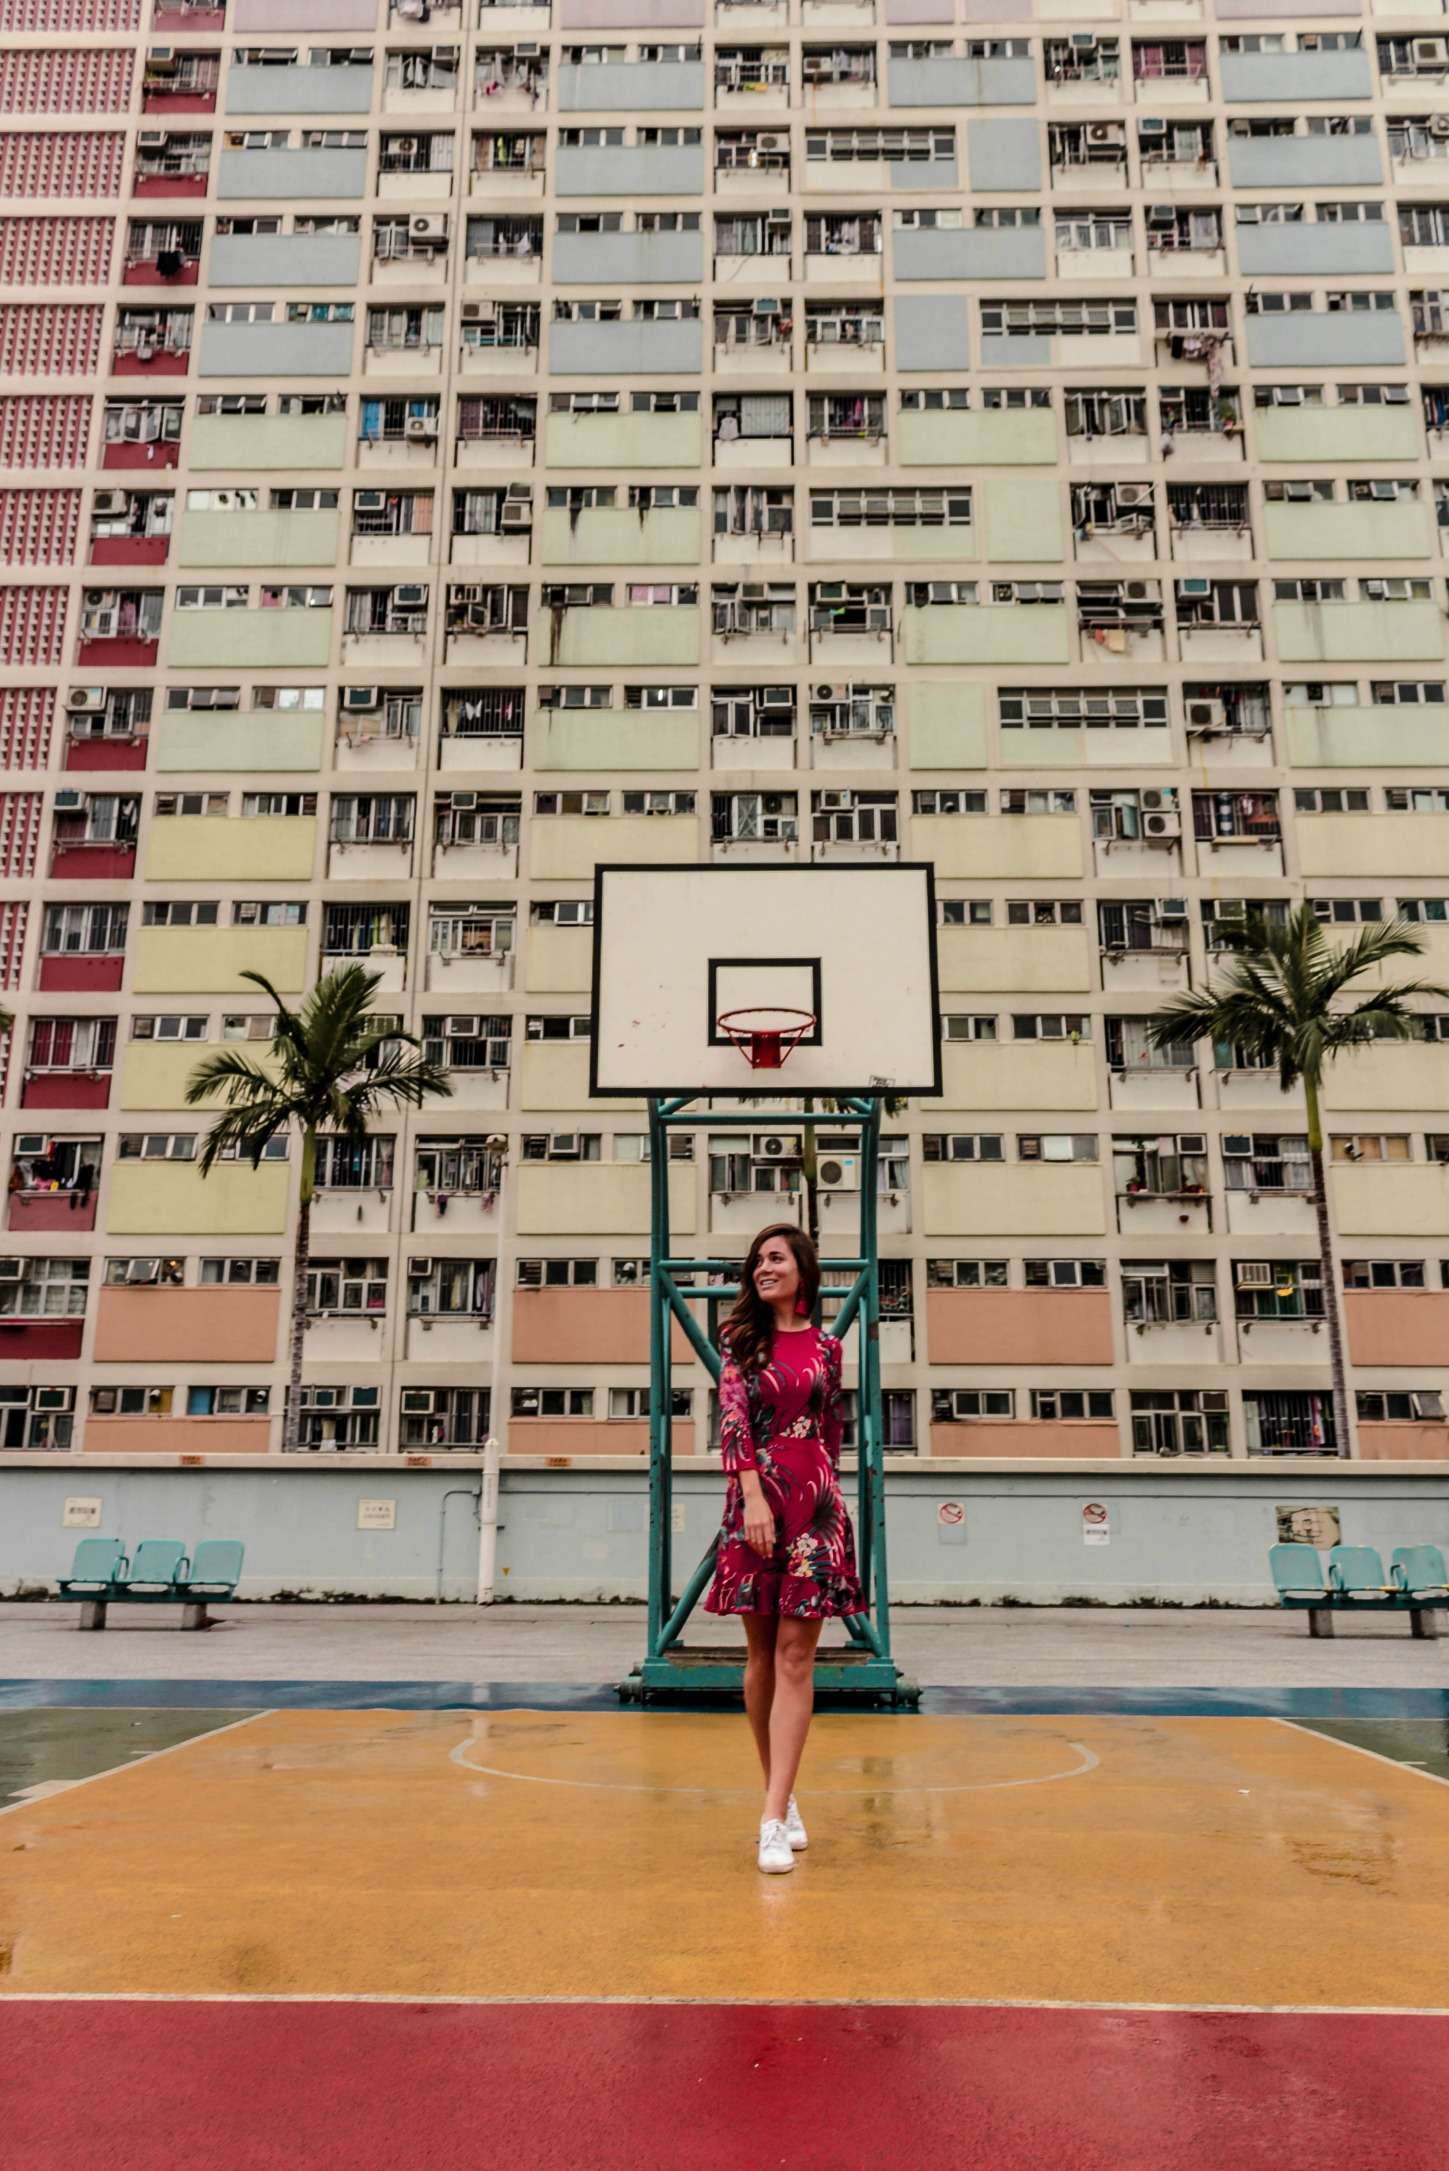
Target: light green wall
x=618, y=535
x=623, y=442
x=1358, y=632
x=253, y=639
x=607, y=739
x=249, y=741
x=1400, y=530
x=290, y=443
x=257, y=538
x=1367, y=737
x=1336, y=433
x=949, y=723
x=621, y=636
x=987, y=633
x=1024, y=437
x=1023, y=520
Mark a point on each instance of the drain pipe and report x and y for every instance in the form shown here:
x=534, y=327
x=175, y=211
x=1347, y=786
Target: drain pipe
x=455, y=1492
x=487, y=1497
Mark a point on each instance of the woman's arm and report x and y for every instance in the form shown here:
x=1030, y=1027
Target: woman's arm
x=737, y=1441
x=832, y=1424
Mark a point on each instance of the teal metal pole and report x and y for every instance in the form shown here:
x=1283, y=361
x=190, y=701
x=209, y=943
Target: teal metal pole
x=690, y=1599
x=870, y=1385
x=659, y=1467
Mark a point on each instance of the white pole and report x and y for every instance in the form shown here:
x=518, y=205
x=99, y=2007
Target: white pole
x=488, y=1520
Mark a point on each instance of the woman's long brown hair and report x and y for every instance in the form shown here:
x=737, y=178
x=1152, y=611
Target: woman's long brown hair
x=745, y=1334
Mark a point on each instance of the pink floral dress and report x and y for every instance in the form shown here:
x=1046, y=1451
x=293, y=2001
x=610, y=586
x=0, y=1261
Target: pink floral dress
x=785, y=1422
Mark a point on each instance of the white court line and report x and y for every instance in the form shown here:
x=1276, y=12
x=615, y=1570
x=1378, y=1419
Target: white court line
x=133, y=1763
x=855, y=2001
x=1088, y=1762
x=1300, y=1726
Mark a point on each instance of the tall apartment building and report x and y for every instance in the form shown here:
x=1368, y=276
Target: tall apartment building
x=450, y=444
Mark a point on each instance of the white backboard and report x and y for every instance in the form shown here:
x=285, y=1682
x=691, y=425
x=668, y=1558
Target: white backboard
x=676, y=945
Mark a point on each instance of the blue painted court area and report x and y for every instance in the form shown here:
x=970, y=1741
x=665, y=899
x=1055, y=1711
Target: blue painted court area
x=22, y=1694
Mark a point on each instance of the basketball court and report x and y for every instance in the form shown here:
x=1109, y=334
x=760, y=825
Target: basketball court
x=324, y=1925
x=287, y=1938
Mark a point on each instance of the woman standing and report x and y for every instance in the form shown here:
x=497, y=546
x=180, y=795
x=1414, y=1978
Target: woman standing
x=786, y=1554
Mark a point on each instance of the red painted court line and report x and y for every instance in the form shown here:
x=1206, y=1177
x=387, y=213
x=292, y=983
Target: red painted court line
x=343, y=2087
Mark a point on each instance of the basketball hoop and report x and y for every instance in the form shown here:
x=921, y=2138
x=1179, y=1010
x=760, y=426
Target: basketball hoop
x=767, y=1036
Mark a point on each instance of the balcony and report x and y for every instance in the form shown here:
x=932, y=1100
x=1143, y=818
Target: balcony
x=180, y=83
x=53, y=1189
x=1297, y=434
x=271, y=638
x=218, y=848
x=267, y=261
x=172, y=1198
x=291, y=175
x=120, y=631
x=631, y=347
x=622, y=535
x=1027, y=1074
x=276, y=350
x=311, y=91
x=74, y=1083
x=211, y=960
x=637, y=86
x=622, y=442
x=627, y=259
x=598, y=634
x=1367, y=632
x=286, y=444
x=952, y=81
x=1294, y=79
x=266, y=742
x=1357, y=531
x=1313, y=338
x=973, y=252
x=567, y=847
x=1366, y=736
x=630, y=169
x=1013, y=1200
x=157, y=1323
x=987, y=633
x=81, y=972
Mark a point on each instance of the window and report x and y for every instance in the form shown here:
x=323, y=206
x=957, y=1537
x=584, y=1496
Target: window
x=559, y=1273
x=1065, y=1273
x=963, y=1405
x=964, y=911
x=336, y=1420
x=451, y=1288
x=165, y=1273
x=1050, y=1025
x=131, y=1401
x=46, y=1288
x=433, y=1418
x=156, y=1146
x=1056, y=1146
x=633, y=1402
x=1369, y=1146
x=228, y=1401
x=966, y=1274
x=1071, y=1405
x=552, y=1402
x=1179, y=1421
x=241, y=1273
x=1384, y=1274
x=1278, y=1288
x=963, y=1146
x=961, y=1027
x=1419, y=1405
x=336, y=1287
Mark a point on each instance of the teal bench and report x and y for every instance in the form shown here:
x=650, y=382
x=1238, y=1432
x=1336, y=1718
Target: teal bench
x=160, y=1573
x=1355, y=1581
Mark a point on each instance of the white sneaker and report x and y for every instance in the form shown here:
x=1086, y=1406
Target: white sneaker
x=795, y=1831
x=775, y=1854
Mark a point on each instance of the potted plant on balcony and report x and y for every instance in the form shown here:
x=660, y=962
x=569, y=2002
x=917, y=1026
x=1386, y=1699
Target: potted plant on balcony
x=334, y=1064
x=1285, y=998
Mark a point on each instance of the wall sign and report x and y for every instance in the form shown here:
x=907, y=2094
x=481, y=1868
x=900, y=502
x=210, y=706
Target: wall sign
x=1096, y=1523
x=377, y=1515
x=82, y=1512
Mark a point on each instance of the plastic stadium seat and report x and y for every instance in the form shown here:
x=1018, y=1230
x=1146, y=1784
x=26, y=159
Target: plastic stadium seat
x=1297, y=1571
x=156, y=1565
x=1356, y=1571
x=97, y=1564
x=216, y=1565
x=1419, y=1572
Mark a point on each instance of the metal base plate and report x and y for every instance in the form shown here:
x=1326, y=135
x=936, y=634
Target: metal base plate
x=702, y=1670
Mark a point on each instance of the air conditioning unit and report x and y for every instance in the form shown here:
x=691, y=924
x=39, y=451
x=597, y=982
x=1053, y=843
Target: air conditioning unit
x=832, y=693
x=1231, y=908
x=772, y=143
x=418, y=1401
x=1147, y=127
x=517, y=513
x=419, y=1269
x=54, y=1398
x=462, y=802
x=143, y=1270
x=369, y=501
x=1163, y=797
x=86, y=700
x=775, y=1146
x=1300, y=492
x=1254, y=1274
x=1384, y=492
x=1136, y=591
x=1130, y=494
x=1207, y=715
x=1103, y=132
x=152, y=139
x=1196, y=587
x=412, y=595
x=421, y=429
x=1171, y=908
x=161, y=56
x=429, y=227
x=1237, y=1146
x=839, y=1172
x=1083, y=41
x=1192, y=1142
x=1439, y=124
x=1161, y=828
x=1288, y=395
x=110, y=504
x=835, y=802
x=1376, y=590
x=461, y=1028
x=327, y=1398
x=1162, y=215
x=565, y=1146
x=69, y=802
x=1429, y=52
x=12, y=1269
x=355, y=698
x=480, y=312
x=1429, y=1402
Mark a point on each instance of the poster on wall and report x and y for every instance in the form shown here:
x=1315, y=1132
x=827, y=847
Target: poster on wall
x=1096, y=1523
x=1310, y=1526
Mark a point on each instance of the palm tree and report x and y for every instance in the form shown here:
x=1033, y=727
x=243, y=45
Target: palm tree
x=1282, y=1001
x=334, y=1063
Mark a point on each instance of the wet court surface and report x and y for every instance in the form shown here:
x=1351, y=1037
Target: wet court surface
x=273, y=1939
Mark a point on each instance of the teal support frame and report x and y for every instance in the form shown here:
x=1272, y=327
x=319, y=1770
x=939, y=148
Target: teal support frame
x=863, y=1671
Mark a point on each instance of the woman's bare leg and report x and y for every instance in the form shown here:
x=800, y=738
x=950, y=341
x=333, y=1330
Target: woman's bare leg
x=791, y=1711
x=760, y=1679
